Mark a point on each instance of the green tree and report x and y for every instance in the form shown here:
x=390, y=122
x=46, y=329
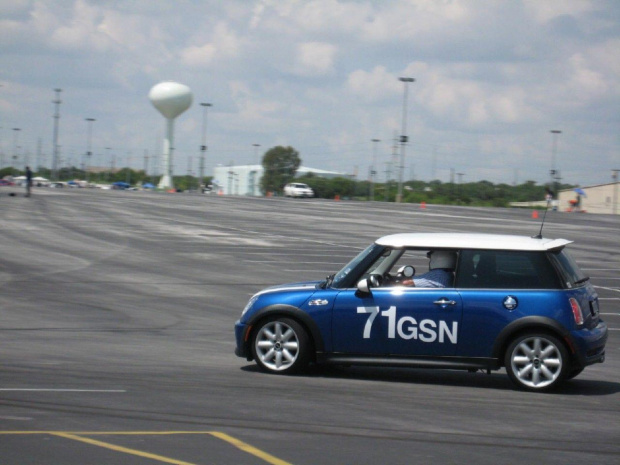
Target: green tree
x=280, y=165
x=329, y=188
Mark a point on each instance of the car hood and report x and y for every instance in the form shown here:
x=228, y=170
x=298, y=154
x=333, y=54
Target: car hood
x=293, y=294
x=305, y=285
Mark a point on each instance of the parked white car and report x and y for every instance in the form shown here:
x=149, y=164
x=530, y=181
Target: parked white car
x=298, y=189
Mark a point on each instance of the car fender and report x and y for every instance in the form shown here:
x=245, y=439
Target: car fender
x=292, y=312
x=536, y=323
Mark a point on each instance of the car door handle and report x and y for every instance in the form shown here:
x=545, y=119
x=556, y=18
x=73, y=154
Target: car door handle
x=445, y=302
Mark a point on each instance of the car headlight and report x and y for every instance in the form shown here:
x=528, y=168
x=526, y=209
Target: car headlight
x=249, y=305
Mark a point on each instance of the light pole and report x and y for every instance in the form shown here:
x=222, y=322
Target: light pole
x=256, y=146
x=89, y=153
x=128, y=175
x=15, y=139
x=403, y=138
x=553, y=172
x=203, y=147
x=56, y=103
x=460, y=176
x=373, y=170
x=1, y=150
x=614, y=177
x=108, y=159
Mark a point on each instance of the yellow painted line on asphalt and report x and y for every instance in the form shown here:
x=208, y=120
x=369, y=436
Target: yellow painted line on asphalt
x=249, y=449
x=79, y=436
x=125, y=450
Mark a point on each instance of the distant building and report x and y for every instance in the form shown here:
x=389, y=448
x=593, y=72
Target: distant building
x=245, y=179
x=603, y=198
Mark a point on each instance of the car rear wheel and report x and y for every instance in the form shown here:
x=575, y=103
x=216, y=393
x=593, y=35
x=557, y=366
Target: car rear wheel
x=281, y=345
x=536, y=362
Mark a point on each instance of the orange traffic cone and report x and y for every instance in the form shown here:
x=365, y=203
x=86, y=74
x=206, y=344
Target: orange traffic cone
x=535, y=214
x=423, y=205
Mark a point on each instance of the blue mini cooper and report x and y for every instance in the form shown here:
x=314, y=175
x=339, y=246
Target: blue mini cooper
x=487, y=302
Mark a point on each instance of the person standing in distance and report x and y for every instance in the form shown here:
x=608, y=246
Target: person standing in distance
x=28, y=181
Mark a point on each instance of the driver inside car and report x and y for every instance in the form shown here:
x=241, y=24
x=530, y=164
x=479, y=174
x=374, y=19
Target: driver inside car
x=441, y=271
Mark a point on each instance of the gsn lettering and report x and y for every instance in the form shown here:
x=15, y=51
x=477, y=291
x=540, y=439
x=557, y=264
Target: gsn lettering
x=408, y=328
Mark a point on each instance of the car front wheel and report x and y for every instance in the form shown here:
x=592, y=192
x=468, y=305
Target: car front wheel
x=536, y=362
x=281, y=345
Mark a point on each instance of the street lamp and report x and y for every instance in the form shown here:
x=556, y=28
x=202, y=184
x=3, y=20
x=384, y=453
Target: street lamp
x=614, y=177
x=89, y=153
x=554, y=173
x=203, y=147
x=403, y=138
x=460, y=181
x=108, y=159
x=15, y=146
x=373, y=170
x=56, y=103
x=256, y=146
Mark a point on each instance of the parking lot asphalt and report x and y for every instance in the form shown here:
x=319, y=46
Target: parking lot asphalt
x=116, y=320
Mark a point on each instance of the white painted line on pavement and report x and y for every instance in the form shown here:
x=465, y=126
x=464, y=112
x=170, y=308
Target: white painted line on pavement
x=607, y=288
x=60, y=390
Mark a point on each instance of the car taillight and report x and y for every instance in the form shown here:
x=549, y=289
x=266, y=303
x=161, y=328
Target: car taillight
x=577, y=313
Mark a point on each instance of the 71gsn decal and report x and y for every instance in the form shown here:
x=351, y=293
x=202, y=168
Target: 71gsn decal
x=408, y=328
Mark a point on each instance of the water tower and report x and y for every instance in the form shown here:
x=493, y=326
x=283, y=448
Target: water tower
x=171, y=99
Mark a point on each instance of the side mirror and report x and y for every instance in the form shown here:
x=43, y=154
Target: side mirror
x=363, y=286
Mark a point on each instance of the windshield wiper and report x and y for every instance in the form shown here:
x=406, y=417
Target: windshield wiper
x=582, y=280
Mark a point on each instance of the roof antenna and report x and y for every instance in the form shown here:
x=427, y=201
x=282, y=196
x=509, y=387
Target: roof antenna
x=539, y=235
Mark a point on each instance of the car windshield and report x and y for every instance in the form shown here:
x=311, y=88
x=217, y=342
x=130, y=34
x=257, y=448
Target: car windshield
x=342, y=278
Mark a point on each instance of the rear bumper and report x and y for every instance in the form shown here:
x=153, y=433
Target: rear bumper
x=588, y=345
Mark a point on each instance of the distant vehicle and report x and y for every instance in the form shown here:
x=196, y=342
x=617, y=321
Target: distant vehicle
x=120, y=185
x=512, y=302
x=4, y=182
x=57, y=184
x=298, y=189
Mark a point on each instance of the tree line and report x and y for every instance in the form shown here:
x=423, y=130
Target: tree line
x=280, y=165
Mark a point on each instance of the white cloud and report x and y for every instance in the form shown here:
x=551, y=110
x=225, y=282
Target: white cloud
x=543, y=11
x=199, y=56
x=323, y=74
x=315, y=58
x=224, y=43
x=373, y=85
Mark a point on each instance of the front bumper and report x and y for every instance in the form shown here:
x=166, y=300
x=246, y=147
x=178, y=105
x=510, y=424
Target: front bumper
x=241, y=349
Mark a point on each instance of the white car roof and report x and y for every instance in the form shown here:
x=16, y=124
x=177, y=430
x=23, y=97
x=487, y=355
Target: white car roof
x=470, y=241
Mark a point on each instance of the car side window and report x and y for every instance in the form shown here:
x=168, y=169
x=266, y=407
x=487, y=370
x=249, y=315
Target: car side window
x=492, y=269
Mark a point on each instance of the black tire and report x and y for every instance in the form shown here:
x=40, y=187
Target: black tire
x=281, y=345
x=537, y=362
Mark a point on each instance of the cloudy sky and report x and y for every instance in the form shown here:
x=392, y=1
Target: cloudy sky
x=492, y=79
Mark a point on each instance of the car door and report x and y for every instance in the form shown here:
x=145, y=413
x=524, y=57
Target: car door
x=397, y=321
x=499, y=287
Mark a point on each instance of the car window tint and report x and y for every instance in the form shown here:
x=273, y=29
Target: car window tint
x=571, y=272
x=415, y=258
x=492, y=269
